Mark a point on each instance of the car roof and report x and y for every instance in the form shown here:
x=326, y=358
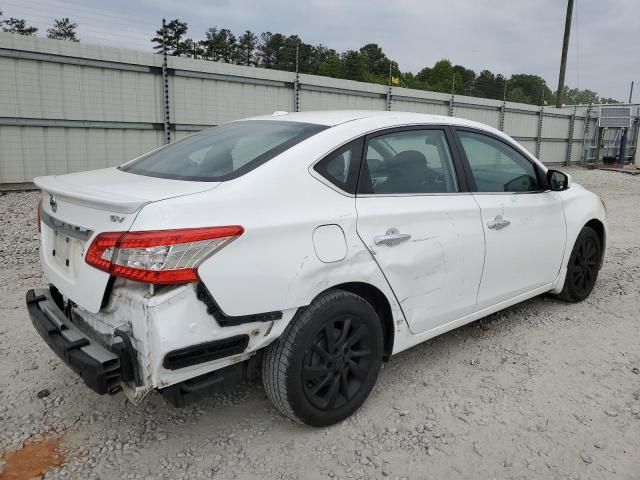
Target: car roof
x=386, y=119
x=336, y=117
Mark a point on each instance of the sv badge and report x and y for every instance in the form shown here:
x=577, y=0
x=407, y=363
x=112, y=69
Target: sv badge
x=116, y=218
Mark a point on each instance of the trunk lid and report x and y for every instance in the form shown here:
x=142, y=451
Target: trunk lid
x=79, y=206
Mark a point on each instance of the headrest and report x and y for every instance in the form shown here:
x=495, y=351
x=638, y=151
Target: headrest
x=409, y=160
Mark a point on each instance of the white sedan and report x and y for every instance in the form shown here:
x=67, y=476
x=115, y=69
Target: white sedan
x=311, y=245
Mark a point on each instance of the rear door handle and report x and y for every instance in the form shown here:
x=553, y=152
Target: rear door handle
x=392, y=238
x=498, y=223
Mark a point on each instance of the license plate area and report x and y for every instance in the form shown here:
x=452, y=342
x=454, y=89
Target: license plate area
x=66, y=251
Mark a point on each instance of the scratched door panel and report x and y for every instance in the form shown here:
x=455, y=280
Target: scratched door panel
x=435, y=274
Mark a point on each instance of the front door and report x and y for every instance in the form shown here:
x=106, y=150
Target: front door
x=420, y=225
x=523, y=221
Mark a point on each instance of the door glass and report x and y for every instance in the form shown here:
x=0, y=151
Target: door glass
x=496, y=167
x=414, y=161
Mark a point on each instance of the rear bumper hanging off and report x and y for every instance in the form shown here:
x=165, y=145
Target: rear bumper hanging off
x=101, y=368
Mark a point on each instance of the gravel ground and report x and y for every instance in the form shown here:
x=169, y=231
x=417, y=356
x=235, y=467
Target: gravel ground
x=541, y=390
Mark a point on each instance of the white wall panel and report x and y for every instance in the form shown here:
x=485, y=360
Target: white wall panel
x=420, y=107
x=124, y=100
x=489, y=116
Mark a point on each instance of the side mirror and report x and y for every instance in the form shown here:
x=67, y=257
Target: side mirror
x=558, y=181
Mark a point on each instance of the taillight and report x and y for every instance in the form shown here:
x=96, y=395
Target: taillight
x=38, y=219
x=160, y=257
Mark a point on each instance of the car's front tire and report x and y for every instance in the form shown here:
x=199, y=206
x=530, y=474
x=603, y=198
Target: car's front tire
x=583, y=267
x=326, y=362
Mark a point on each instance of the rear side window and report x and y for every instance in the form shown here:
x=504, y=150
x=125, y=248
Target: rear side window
x=341, y=166
x=223, y=152
x=408, y=162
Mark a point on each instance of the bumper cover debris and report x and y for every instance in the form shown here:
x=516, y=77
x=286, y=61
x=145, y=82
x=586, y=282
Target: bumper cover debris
x=102, y=369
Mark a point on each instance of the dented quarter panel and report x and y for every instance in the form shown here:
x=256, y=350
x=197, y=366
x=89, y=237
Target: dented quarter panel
x=170, y=319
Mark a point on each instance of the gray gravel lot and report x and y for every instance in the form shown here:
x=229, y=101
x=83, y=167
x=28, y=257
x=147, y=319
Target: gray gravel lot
x=541, y=390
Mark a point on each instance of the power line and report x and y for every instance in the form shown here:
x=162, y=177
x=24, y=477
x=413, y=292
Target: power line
x=100, y=30
x=89, y=10
x=83, y=20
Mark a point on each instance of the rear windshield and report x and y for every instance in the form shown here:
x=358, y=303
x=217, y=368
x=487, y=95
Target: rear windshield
x=223, y=152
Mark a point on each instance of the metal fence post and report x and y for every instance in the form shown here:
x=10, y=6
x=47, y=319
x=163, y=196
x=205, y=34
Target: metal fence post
x=165, y=84
x=388, y=106
x=584, y=154
x=539, y=137
x=389, y=99
x=296, y=84
x=572, y=123
x=503, y=108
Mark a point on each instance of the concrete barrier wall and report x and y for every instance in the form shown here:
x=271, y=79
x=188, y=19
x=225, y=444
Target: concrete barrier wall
x=66, y=106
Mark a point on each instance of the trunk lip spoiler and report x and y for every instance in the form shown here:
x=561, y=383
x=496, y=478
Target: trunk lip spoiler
x=89, y=197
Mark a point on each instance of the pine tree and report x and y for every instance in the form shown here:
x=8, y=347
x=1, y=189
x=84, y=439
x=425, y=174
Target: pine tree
x=174, y=33
x=63, y=29
x=17, y=25
x=247, y=44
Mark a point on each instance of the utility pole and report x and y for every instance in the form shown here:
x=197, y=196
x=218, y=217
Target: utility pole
x=631, y=92
x=565, y=48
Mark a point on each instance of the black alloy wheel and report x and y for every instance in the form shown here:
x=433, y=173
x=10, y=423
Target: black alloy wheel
x=325, y=363
x=583, y=267
x=337, y=363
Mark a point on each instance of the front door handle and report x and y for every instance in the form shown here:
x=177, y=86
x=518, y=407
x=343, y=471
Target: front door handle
x=498, y=223
x=392, y=238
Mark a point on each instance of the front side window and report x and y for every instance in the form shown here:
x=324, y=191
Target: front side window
x=223, y=152
x=497, y=167
x=409, y=162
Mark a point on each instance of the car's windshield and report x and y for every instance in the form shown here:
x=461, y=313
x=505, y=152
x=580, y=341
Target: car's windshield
x=224, y=152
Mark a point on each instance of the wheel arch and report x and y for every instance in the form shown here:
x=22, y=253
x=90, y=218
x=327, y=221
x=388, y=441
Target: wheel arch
x=600, y=230
x=381, y=305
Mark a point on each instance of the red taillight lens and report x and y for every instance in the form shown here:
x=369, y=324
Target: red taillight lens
x=38, y=219
x=161, y=257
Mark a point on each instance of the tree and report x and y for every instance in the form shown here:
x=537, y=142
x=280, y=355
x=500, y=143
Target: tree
x=367, y=64
x=17, y=25
x=487, y=85
x=247, y=44
x=376, y=62
x=269, y=49
x=225, y=45
x=517, y=95
x=209, y=44
x=328, y=62
x=441, y=76
x=464, y=80
x=353, y=66
x=532, y=86
x=63, y=29
x=191, y=48
x=174, y=33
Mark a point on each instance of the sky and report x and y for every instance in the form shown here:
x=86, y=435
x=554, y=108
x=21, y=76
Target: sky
x=504, y=36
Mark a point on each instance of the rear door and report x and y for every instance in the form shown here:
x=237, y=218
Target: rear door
x=523, y=221
x=421, y=224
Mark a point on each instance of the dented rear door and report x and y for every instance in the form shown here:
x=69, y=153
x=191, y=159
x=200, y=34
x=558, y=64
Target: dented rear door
x=425, y=234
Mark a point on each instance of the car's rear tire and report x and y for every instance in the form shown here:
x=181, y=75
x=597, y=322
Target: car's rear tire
x=583, y=267
x=326, y=362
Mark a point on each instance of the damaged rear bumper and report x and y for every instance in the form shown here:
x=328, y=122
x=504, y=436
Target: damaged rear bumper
x=102, y=369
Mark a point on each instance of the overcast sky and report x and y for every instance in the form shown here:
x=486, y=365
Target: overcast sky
x=504, y=36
